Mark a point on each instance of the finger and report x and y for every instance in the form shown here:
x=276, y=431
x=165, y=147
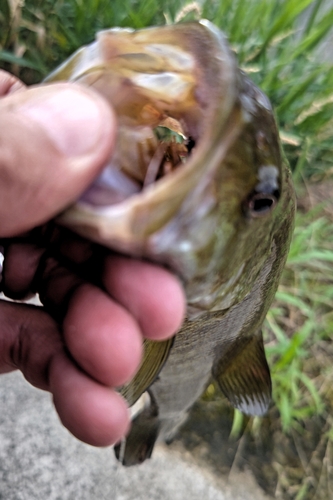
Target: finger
x=24, y=253
x=152, y=294
x=28, y=338
x=54, y=140
x=94, y=413
x=19, y=269
x=101, y=335
x=31, y=342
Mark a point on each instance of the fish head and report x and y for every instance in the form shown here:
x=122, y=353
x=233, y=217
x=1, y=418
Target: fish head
x=196, y=181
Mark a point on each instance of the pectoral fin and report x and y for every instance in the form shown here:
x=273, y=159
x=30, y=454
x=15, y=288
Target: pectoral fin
x=155, y=355
x=243, y=376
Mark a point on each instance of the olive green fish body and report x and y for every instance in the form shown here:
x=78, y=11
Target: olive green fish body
x=197, y=183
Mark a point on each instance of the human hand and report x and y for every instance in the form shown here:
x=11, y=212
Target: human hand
x=87, y=339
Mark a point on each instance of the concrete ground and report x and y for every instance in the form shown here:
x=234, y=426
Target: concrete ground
x=40, y=460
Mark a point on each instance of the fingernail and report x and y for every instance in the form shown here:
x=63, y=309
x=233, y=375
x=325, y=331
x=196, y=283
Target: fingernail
x=71, y=118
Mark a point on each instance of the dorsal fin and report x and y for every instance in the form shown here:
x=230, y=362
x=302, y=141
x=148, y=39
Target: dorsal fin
x=243, y=376
x=155, y=355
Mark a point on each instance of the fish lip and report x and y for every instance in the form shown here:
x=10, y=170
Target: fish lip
x=165, y=197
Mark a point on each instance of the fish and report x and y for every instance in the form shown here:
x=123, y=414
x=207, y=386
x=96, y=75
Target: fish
x=198, y=183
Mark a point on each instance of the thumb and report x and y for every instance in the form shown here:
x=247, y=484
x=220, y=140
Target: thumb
x=54, y=139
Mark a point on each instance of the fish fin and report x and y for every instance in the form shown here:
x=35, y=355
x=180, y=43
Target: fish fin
x=244, y=377
x=142, y=437
x=154, y=357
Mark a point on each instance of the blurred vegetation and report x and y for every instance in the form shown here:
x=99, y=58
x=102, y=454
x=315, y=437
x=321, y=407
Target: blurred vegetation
x=272, y=41
x=280, y=44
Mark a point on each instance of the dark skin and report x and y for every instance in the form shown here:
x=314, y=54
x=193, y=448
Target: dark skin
x=98, y=306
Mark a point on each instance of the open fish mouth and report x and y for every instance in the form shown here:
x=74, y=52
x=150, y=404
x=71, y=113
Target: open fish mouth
x=154, y=152
x=177, y=114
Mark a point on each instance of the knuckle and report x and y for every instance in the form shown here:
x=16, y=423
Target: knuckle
x=36, y=341
x=56, y=284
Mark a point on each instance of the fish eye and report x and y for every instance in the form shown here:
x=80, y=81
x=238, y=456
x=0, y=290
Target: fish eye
x=261, y=204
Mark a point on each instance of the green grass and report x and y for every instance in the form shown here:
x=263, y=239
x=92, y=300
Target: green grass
x=282, y=54
x=302, y=320
x=281, y=57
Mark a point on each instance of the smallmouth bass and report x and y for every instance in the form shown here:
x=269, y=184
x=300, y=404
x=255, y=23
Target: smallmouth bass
x=197, y=183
